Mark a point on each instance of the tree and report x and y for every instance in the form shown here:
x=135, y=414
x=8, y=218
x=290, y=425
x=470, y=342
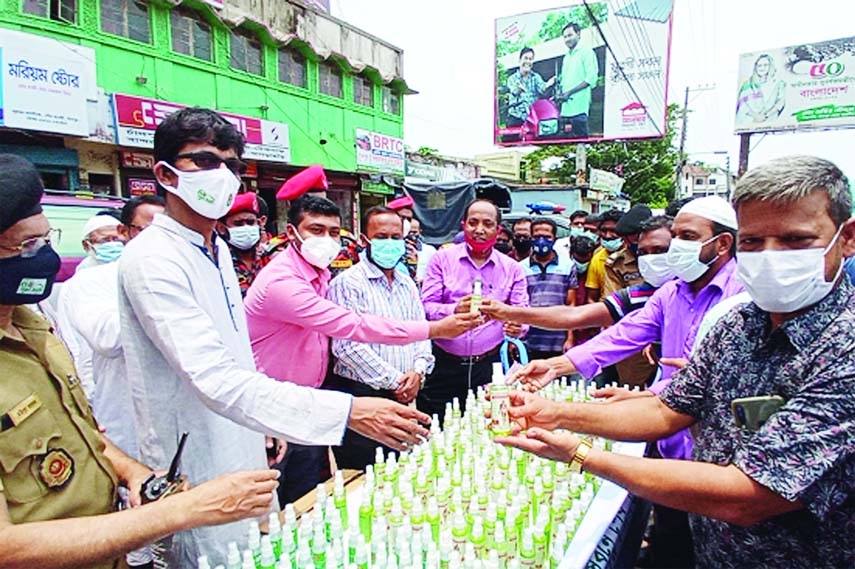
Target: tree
x=648, y=165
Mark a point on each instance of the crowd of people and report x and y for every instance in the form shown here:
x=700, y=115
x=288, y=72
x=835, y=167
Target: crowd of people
x=734, y=321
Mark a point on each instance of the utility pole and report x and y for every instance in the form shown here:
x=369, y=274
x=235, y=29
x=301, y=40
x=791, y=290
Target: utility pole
x=727, y=173
x=683, y=131
x=744, y=149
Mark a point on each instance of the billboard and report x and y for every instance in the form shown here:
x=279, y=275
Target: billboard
x=136, y=119
x=586, y=72
x=800, y=87
x=378, y=152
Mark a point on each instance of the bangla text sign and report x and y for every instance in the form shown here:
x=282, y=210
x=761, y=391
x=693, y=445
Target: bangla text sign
x=45, y=84
x=379, y=152
x=801, y=87
x=137, y=119
x=586, y=72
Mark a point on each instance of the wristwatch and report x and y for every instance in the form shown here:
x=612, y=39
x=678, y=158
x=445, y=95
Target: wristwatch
x=581, y=454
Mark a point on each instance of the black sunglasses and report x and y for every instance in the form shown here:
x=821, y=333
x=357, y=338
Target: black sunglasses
x=210, y=161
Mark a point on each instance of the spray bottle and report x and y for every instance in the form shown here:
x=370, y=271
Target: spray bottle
x=500, y=421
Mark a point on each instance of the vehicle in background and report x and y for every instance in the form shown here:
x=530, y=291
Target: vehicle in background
x=561, y=221
x=68, y=212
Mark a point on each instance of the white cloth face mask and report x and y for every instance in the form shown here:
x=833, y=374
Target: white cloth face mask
x=210, y=193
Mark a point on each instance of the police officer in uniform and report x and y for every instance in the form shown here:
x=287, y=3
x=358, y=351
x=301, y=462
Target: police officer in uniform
x=55, y=465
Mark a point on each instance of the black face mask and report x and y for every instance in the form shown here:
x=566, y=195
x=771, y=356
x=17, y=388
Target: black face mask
x=522, y=245
x=28, y=280
x=502, y=247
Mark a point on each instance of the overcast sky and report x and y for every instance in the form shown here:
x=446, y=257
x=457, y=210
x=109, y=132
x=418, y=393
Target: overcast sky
x=448, y=59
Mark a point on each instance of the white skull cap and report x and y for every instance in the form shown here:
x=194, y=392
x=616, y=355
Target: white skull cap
x=714, y=208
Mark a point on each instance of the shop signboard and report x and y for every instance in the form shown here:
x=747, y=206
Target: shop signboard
x=134, y=159
x=45, y=84
x=798, y=87
x=137, y=118
x=377, y=152
x=142, y=187
x=606, y=182
x=589, y=71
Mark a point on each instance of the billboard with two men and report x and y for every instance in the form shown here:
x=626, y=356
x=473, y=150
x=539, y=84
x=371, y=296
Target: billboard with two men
x=586, y=72
x=800, y=87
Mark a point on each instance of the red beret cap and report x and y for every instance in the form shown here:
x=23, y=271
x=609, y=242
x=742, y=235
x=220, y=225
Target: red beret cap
x=245, y=202
x=400, y=203
x=312, y=178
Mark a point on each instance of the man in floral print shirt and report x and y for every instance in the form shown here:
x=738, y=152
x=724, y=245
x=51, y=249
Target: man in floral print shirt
x=782, y=495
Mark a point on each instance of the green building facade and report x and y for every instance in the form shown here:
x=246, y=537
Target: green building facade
x=308, y=81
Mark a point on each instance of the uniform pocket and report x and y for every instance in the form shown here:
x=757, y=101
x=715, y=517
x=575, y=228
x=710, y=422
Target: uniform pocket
x=22, y=449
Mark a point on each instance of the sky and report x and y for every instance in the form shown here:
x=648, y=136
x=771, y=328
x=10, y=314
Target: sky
x=448, y=59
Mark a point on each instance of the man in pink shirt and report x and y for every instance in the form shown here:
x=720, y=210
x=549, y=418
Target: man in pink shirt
x=291, y=322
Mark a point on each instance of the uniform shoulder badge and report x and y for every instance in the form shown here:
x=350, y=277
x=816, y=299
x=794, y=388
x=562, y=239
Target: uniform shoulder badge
x=56, y=468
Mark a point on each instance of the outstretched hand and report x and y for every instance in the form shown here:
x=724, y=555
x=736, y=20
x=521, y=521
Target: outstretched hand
x=543, y=443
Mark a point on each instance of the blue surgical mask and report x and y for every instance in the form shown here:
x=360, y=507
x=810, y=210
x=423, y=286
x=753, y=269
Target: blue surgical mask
x=581, y=268
x=612, y=245
x=542, y=246
x=386, y=253
x=108, y=252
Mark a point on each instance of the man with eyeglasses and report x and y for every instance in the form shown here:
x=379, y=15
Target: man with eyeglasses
x=60, y=476
x=184, y=333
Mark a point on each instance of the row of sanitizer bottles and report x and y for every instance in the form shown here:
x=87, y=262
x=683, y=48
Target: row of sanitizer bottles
x=456, y=501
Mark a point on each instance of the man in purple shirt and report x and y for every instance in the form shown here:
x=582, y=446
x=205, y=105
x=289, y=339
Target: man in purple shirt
x=702, y=257
x=466, y=361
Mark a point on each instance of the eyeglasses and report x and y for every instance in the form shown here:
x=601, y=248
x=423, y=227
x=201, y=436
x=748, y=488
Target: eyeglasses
x=102, y=240
x=210, y=161
x=29, y=247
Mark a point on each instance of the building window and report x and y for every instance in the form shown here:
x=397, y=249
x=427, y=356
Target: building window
x=127, y=18
x=191, y=35
x=699, y=181
x=246, y=53
x=60, y=10
x=292, y=67
x=712, y=182
x=329, y=79
x=363, y=91
x=391, y=101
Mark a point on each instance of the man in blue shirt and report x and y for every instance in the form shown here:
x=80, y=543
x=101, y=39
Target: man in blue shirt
x=551, y=280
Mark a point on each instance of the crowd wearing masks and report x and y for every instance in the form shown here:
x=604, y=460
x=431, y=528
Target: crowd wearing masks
x=188, y=316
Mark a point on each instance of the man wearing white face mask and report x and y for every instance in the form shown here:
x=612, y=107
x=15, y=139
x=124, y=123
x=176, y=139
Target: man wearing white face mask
x=768, y=392
x=291, y=322
x=189, y=360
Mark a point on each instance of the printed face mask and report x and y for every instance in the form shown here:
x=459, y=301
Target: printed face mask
x=28, y=280
x=542, y=246
x=210, y=193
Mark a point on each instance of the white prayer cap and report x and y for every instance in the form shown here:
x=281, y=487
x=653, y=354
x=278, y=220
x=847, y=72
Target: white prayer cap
x=97, y=222
x=714, y=208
